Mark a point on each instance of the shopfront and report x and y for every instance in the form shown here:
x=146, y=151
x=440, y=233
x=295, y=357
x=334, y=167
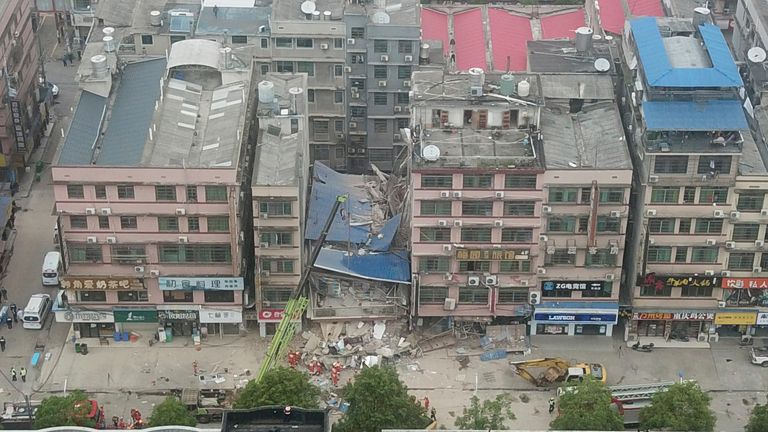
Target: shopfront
x=140, y=320
x=220, y=321
x=268, y=320
x=735, y=322
x=575, y=318
x=88, y=324
x=666, y=324
x=179, y=322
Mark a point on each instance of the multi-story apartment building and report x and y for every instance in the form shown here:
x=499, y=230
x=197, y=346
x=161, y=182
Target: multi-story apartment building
x=690, y=141
x=21, y=121
x=147, y=189
x=278, y=191
x=750, y=32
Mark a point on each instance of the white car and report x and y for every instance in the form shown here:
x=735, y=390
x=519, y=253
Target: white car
x=759, y=356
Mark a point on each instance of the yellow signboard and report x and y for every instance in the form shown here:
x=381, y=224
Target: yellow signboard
x=100, y=283
x=736, y=318
x=491, y=255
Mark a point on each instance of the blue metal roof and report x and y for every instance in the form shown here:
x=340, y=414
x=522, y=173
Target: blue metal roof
x=84, y=130
x=711, y=115
x=132, y=112
x=386, y=267
x=181, y=24
x=660, y=73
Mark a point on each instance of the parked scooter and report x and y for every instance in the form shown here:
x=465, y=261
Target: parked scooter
x=682, y=337
x=746, y=340
x=643, y=348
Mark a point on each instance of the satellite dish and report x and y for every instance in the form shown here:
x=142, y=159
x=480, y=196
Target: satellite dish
x=308, y=7
x=602, y=65
x=756, y=55
x=295, y=90
x=381, y=17
x=431, y=153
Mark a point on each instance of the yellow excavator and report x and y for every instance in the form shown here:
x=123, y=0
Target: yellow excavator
x=557, y=370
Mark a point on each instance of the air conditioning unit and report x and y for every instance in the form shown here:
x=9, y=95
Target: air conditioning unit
x=263, y=245
x=90, y=211
x=447, y=248
x=264, y=215
x=154, y=273
x=551, y=250
x=759, y=243
x=106, y=211
x=497, y=246
x=91, y=239
x=355, y=95
x=180, y=212
x=456, y=194
x=721, y=304
x=398, y=108
x=353, y=125
x=650, y=212
x=350, y=41
x=725, y=273
x=709, y=273
x=449, y=304
x=396, y=137
x=546, y=209
x=571, y=250
x=347, y=69
x=183, y=239
x=445, y=194
x=615, y=214
x=653, y=179
x=712, y=242
x=385, y=58
x=541, y=271
x=718, y=213
x=523, y=282
x=448, y=277
x=491, y=280
x=139, y=269
x=728, y=245
x=757, y=270
x=111, y=240
x=407, y=83
x=499, y=195
x=442, y=223
x=764, y=212
x=543, y=238
x=534, y=297
x=735, y=215
x=382, y=83
x=498, y=223
x=408, y=58
x=265, y=273
x=651, y=241
x=610, y=276
x=592, y=250
x=323, y=46
x=457, y=223
x=614, y=250
x=473, y=281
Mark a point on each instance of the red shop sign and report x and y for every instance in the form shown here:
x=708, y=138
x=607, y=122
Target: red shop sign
x=745, y=283
x=270, y=315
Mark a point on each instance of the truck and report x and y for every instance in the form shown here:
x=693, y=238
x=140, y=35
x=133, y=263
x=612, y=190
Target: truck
x=557, y=370
x=630, y=399
x=207, y=405
x=759, y=356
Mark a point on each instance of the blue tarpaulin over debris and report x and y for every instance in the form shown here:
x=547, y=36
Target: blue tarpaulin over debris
x=386, y=267
x=353, y=221
x=717, y=115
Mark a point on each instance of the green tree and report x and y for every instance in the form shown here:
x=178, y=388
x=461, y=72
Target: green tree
x=171, y=412
x=758, y=421
x=683, y=407
x=70, y=410
x=379, y=400
x=587, y=406
x=490, y=414
x=280, y=386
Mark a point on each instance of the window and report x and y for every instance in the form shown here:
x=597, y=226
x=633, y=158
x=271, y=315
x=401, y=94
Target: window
x=265, y=67
x=264, y=43
x=402, y=98
x=240, y=40
x=661, y=225
x=103, y=222
x=378, y=154
x=380, y=126
x=660, y=290
x=563, y=195
x=216, y=193
x=165, y=193
x=304, y=43
x=100, y=191
x=380, y=98
x=518, y=208
x=168, y=223
x=320, y=130
x=276, y=238
x=515, y=266
x=475, y=266
x=659, y=254
x=311, y=96
x=219, y=296
x=357, y=33
x=82, y=5
x=338, y=43
x=358, y=59
x=283, y=43
x=689, y=194
x=477, y=208
x=128, y=222
x=192, y=193
x=482, y=181
x=583, y=224
x=741, y=261
x=612, y=195
x=435, y=208
x=560, y=257
x=561, y=224
x=750, y=201
x=321, y=152
x=665, y=195
x=517, y=235
x=434, y=264
x=193, y=224
x=708, y=226
x=132, y=296
x=338, y=96
x=519, y=182
x=356, y=111
x=586, y=195
x=432, y=295
x=714, y=194
x=125, y=192
x=218, y=223
x=608, y=224
x=177, y=296
x=696, y=291
x=75, y=191
x=276, y=296
x=284, y=66
x=78, y=222
x=557, y=293
x=338, y=125
x=128, y=254
x=91, y=296
x=685, y=226
x=84, y=253
x=476, y=234
x=764, y=261
x=306, y=67
x=276, y=208
x=681, y=254
x=380, y=46
x=436, y=181
x=199, y=253
x=338, y=70
x=147, y=40
x=380, y=71
x=714, y=164
x=704, y=254
x=745, y=232
x=434, y=234
x=404, y=72
x=670, y=165
x=473, y=295
x=602, y=258
x=404, y=47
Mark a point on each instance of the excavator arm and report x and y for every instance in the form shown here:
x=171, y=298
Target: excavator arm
x=555, y=369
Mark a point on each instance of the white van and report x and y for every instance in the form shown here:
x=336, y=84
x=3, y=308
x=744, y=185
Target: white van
x=51, y=268
x=36, y=311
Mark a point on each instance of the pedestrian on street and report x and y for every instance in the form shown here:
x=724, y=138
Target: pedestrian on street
x=23, y=373
x=9, y=321
x=20, y=315
x=2, y=343
x=3, y=294
x=433, y=414
x=194, y=367
x=13, y=373
x=14, y=311
x=426, y=403
x=551, y=405
x=64, y=60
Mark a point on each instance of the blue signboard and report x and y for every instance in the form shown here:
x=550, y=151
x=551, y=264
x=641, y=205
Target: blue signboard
x=565, y=317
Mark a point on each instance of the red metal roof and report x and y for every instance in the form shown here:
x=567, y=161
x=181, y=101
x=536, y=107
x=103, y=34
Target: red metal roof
x=470, y=39
x=562, y=25
x=509, y=35
x=612, y=16
x=645, y=8
x=434, y=26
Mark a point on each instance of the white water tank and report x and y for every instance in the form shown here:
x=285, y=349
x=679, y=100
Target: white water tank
x=155, y=18
x=108, y=31
x=266, y=92
x=523, y=88
x=701, y=15
x=424, y=54
x=99, y=66
x=109, y=44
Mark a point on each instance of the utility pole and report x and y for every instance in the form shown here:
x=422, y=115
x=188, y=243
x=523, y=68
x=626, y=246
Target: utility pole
x=41, y=59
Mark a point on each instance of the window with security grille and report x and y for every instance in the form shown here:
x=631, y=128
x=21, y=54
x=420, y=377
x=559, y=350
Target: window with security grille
x=165, y=193
x=513, y=295
x=481, y=181
x=216, y=193
x=477, y=208
x=476, y=235
x=75, y=191
x=515, y=266
x=434, y=264
x=745, y=232
x=608, y=224
x=475, y=266
x=276, y=208
x=432, y=295
x=435, y=208
x=78, y=222
x=708, y=226
x=741, y=261
x=602, y=258
x=427, y=234
x=517, y=235
x=470, y=295
x=563, y=195
x=665, y=195
x=436, y=181
x=276, y=238
x=128, y=254
x=714, y=164
x=661, y=225
x=560, y=257
x=659, y=254
x=125, y=192
x=612, y=195
x=218, y=223
x=519, y=208
x=512, y=181
x=168, y=223
x=561, y=224
x=750, y=201
x=696, y=291
x=713, y=195
x=704, y=255
x=670, y=165
x=84, y=253
x=380, y=46
x=199, y=253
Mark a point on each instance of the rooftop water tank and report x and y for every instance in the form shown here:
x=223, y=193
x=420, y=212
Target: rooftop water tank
x=507, y=85
x=109, y=44
x=266, y=92
x=701, y=15
x=156, y=18
x=523, y=88
x=583, y=39
x=99, y=66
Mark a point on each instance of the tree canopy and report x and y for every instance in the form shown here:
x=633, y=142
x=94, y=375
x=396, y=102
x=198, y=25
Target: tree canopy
x=171, y=412
x=490, y=414
x=587, y=406
x=70, y=410
x=758, y=420
x=683, y=407
x=280, y=386
x=379, y=400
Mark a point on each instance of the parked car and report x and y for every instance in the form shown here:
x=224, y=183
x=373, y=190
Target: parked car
x=759, y=356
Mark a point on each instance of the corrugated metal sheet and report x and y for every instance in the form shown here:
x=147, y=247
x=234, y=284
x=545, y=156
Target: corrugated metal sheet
x=434, y=26
x=695, y=116
x=385, y=267
x=132, y=112
x=562, y=25
x=660, y=73
x=509, y=35
x=470, y=39
x=650, y=8
x=612, y=16
x=83, y=131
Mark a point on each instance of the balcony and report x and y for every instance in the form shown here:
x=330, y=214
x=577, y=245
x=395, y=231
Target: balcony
x=693, y=142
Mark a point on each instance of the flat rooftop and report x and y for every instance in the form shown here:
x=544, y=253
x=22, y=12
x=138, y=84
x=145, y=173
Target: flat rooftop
x=234, y=20
x=561, y=56
x=476, y=148
x=379, y=12
x=435, y=84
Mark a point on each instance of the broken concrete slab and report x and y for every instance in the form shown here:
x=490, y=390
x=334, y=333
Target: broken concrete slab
x=378, y=329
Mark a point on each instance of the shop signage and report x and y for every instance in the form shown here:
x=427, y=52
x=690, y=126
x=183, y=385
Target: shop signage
x=572, y=285
x=84, y=316
x=18, y=124
x=201, y=283
x=135, y=315
x=735, y=318
x=762, y=318
x=221, y=316
x=492, y=254
x=177, y=315
x=100, y=283
x=745, y=283
x=270, y=315
x=574, y=317
x=661, y=282
x=670, y=316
